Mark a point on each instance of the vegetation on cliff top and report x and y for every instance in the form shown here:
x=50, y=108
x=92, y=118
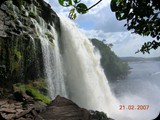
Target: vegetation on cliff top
x=113, y=67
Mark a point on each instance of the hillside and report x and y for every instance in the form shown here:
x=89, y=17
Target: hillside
x=113, y=67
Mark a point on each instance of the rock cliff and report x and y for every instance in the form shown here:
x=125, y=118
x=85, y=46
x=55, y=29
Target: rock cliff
x=20, y=48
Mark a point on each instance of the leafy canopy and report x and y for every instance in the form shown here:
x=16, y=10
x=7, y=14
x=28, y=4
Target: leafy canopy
x=142, y=18
x=113, y=67
x=81, y=8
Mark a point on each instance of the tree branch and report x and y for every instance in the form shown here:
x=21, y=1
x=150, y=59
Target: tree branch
x=94, y=5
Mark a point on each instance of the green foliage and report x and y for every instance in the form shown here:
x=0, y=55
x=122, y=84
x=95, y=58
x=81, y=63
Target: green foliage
x=32, y=89
x=18, y=3
x=65, y=3
x=78, y=7
x=16, y=59
x=143, y=18
x=81, y=8
x=72, y=13
x=113, y=67
x=95, y=115
x=37, y=95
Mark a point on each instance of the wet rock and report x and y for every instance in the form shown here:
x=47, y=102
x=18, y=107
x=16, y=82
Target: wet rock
x=15, y=47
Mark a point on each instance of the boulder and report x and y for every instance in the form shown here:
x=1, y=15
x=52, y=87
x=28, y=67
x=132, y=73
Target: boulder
x=64, y=109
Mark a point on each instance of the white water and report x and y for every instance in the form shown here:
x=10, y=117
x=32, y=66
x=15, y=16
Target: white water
x=52, y=59
x=76, y=72
x=85, y=80
x=53, y=67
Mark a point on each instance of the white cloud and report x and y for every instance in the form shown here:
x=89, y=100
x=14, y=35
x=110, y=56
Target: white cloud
x=97, y=8
x=124, y=43
x=103, y=19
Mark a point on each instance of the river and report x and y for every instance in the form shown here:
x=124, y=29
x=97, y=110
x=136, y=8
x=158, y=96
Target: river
x=140, y=88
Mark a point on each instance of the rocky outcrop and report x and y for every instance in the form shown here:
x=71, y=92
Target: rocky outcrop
x=20, y=47
x=60, y=109
x=26, y=109
x=64, y=109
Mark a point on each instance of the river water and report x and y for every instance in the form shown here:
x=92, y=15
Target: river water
x=140, y=88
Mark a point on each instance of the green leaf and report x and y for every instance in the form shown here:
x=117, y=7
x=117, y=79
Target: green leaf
x=118, y=16
x=65, y=3
x=72, y=10
x=113, y=5
x=72, y=14
x=76, y=1
x=81, y=8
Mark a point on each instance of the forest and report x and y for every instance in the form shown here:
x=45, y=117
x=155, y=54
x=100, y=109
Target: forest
x=113, y=66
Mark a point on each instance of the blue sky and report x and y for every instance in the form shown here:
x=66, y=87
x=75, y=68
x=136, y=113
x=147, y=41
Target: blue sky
x=101, y=23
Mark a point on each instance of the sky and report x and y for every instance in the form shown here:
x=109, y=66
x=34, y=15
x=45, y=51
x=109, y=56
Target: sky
x=101, y=23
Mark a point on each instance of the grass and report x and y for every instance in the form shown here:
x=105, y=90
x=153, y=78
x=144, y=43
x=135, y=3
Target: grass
x=32, y=90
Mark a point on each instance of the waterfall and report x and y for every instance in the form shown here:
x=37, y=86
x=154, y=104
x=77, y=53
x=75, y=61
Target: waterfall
x=75, y=71
x=53, y=66
x=52, y=59
x=85, y=80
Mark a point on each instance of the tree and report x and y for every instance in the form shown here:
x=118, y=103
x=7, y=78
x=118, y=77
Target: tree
x=113, y=67
x=143, y=18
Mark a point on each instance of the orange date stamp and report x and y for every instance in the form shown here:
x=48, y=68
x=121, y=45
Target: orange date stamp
x=133, y=107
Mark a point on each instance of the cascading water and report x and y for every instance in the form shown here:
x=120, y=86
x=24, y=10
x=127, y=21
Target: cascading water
x=51, y=57
x=85, y=79
x=53, y=66
x=76, y=72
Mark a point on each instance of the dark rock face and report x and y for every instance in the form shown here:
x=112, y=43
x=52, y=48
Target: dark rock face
x=64, y=109
x=20, y=48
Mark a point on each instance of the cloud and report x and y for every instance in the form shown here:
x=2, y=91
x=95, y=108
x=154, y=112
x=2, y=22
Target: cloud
x=124, y=43
x=101, y=18
x=97, y=8
x=106, y=21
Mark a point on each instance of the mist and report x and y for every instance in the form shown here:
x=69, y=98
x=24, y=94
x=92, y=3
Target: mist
x=141, y=87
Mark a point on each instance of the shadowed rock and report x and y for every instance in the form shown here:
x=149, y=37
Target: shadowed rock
x=60, y=109
x=64, y=109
